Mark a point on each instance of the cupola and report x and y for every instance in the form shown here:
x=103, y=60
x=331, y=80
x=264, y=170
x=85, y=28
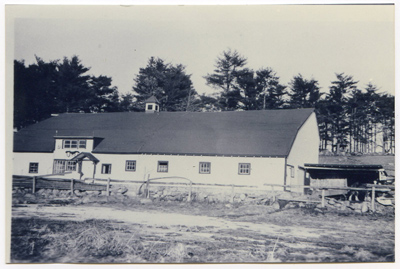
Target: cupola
x=152, y=104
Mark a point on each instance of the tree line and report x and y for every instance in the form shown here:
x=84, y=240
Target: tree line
x=350, y=119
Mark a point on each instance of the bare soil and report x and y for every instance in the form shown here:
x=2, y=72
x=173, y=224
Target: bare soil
x=174, y=232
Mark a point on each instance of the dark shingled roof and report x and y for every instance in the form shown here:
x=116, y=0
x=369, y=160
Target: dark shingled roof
x=151, y=99
x=236, y=133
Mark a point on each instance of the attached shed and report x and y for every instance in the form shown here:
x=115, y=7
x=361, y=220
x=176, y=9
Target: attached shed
x=240, y=147
x=354, y=174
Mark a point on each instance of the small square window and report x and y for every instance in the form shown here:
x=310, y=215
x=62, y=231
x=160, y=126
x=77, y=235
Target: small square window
x=106, y=169
x=82, y=144
x=162, y=166
x=244, y=169
x=74, y=144
x=205, y=168
x=149, y=107
x=33, y=168
x=67, y=144
x=130, y=166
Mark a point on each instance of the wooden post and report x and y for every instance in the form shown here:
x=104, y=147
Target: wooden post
x=323, y=198
x=147, y=187
x=190, y=192
x=373, y=199
x=108, y=187
x=34, y=185
x=72, y=186
x=232, y=193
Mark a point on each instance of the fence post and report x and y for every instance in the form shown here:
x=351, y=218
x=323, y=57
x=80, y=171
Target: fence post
x=232, y=193
x=190, y=192
x=147, y=187
x=323, y=198
x=72, y=186
x=108, y=187
x=373, y=199
x=34, y=185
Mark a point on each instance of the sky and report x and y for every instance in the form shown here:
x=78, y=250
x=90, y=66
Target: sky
x=316, y=41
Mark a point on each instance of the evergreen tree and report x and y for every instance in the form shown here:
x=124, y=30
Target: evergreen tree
x=228, y=67
x=303, y=93
x=44, y=88
x=168, y=83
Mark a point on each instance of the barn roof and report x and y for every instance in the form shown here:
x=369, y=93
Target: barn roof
x=234, y=133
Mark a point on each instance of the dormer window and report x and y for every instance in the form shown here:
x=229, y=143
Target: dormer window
x=74, y=144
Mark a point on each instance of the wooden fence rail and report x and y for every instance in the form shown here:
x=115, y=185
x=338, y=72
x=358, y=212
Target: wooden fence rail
x=373, y=188
x=58, y=183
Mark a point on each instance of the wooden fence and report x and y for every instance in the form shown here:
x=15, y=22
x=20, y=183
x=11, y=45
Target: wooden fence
x=373, y=188
x=57, y=183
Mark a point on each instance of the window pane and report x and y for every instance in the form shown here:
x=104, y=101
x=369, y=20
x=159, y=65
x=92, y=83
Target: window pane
x=70, y=166
x=59, y=166
x=33, y=167
x=67, y=144
x=106, y=169
x=82, y=144
x=74, y=144
x=244, y=169
x=130, y=166
x=205, y=168
x=162, y=166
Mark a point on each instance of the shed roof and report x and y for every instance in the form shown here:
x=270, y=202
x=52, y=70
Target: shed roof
x=234, y=133
x=309, y=166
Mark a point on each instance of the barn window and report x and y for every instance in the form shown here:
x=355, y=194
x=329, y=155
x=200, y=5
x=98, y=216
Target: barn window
x=106, y=168
x=70, y=166
x=33, y=168
x=130, y=166
x=82, y=144
x=61, y=166
x=74, y=144
x=244, y=169
x=162, y=166
x=205, y=168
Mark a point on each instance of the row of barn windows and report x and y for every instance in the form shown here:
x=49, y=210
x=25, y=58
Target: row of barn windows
x=162, y=167
x=74, y=144
x=61, y=166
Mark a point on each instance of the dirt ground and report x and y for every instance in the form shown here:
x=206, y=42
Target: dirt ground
x=198, y=233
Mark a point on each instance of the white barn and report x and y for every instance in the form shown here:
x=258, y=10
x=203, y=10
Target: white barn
x=239, y=147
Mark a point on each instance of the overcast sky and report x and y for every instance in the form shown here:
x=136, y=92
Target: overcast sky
x=316, y=41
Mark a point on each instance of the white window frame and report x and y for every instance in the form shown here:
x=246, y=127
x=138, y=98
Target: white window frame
x=162, y=167
x=33, y=168
x=130, y=166
x=244, y=168
x=74, y=143
x=103, y=168
x=61, y=166
x=204, y=168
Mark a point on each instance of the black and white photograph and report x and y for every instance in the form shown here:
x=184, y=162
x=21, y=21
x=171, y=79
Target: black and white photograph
x=200, y=134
